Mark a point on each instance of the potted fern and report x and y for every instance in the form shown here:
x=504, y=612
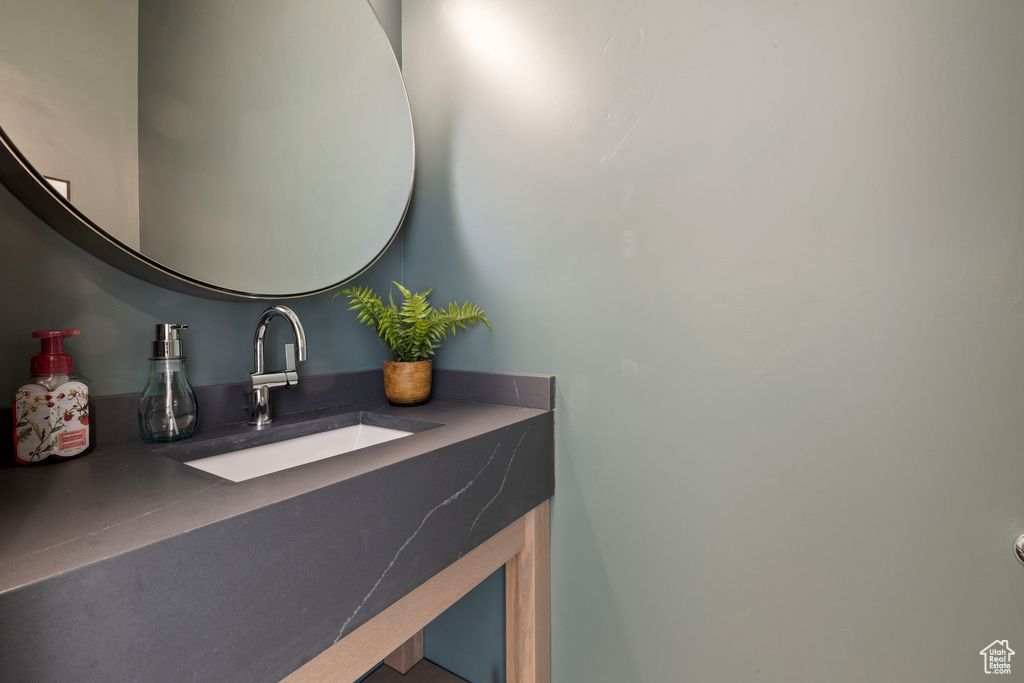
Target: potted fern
x=412, y=331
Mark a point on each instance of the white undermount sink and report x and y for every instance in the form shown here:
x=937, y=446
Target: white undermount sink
x=273, y=457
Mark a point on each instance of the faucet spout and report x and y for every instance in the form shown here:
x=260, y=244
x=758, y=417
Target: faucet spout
x=263, y=381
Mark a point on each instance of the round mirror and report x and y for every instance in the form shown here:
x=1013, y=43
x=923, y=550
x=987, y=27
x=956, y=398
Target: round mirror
x=227, y=148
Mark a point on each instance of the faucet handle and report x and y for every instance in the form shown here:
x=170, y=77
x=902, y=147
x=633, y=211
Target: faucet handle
x=289, y=357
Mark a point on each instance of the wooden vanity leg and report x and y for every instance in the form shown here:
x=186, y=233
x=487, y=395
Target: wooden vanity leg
x=407, y=655
x=528, y=603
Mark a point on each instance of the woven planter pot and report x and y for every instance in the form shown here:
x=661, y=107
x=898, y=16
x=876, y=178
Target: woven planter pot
x=407, y=384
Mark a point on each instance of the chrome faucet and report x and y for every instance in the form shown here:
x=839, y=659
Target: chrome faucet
x=263, y=381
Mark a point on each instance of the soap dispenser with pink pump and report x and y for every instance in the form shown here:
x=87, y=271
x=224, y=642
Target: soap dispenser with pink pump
x=52, y=414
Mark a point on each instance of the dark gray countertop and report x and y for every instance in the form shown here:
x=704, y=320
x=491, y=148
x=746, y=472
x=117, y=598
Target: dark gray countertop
x=129, y=565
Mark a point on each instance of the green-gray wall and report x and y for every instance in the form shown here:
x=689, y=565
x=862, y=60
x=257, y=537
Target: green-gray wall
x=389, y=13
x=773, y=252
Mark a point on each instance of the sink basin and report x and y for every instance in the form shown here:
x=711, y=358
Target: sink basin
x=256, y=461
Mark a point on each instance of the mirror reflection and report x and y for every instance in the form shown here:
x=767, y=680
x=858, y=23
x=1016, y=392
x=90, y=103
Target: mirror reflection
x=262, y=146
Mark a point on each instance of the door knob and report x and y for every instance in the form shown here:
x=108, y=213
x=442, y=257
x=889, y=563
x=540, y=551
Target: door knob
x=1018, y=548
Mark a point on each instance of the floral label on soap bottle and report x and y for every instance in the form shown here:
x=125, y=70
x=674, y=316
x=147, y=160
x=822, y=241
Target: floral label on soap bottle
x=51, y=423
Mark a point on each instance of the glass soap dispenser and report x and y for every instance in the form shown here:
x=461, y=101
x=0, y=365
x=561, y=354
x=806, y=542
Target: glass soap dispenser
x=167, y=409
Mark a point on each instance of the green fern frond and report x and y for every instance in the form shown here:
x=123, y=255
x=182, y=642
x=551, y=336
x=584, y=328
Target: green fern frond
x=412, y=330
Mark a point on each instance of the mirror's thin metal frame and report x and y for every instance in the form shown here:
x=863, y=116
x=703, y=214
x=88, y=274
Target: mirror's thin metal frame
x=33, y=190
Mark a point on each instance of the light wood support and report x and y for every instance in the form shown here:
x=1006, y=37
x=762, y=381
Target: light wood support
x=358, y=652
x=424, y=672
x=528, y=603
x=524, y=547
x=407, y=655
